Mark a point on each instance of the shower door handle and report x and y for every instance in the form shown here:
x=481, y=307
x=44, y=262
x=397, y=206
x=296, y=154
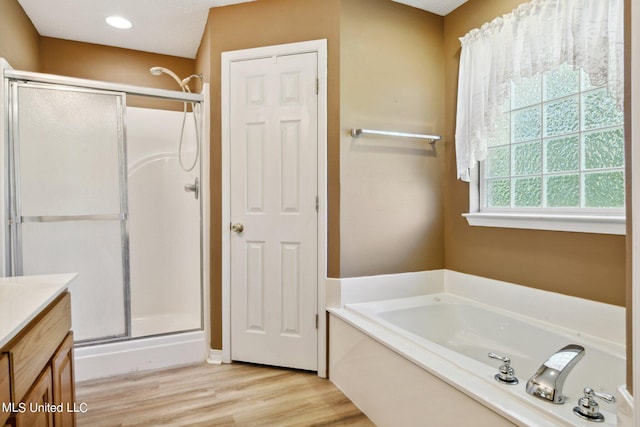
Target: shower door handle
x=195, y=188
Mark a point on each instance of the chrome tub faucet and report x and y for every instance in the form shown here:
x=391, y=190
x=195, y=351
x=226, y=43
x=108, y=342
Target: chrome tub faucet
x=549, y=379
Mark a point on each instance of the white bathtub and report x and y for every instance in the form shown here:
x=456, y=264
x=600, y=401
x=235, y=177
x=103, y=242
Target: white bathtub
x=447, y=335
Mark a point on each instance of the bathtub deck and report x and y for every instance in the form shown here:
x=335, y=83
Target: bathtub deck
x=216, y=395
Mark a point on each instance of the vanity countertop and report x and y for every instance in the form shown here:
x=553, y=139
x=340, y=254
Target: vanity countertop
x=23, y=297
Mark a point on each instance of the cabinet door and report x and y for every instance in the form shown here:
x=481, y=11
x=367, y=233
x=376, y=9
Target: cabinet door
x=5, y=390
x=63, y=383
x=40, y=396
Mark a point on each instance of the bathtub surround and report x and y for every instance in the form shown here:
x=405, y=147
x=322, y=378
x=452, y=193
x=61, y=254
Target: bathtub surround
x=375, y=288
x=367, y=334
x=398, y=392
x=552, y=307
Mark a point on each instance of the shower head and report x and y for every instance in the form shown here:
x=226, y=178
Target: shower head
x=156, y=71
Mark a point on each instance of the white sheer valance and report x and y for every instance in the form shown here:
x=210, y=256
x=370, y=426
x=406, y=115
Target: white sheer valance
x=536, y=37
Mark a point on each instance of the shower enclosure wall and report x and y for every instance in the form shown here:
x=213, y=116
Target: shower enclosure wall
x=94, y=186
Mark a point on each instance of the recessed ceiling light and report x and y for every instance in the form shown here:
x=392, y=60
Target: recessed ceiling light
x=118, y=22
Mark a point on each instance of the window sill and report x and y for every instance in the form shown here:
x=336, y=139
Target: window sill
x=600, y=224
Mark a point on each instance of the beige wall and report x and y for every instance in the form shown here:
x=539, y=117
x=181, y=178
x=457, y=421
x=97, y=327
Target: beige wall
x=265, y=23
x=586, y=265
x=203, y=56
x=19, y=40
x=111, y=64
x=391, y=78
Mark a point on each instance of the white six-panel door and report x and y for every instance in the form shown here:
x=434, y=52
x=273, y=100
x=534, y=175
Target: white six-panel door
x=274, y=220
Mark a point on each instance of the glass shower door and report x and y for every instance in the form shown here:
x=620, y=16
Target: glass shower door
x=69, y=199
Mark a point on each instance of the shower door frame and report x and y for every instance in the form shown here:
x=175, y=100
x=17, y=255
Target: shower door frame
x=16, y=216
x=11, y=246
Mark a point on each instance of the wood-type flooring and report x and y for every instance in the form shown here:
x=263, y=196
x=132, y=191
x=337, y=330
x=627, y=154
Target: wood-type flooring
x=237, y=394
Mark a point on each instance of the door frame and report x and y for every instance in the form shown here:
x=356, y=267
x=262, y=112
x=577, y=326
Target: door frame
x=320, y=48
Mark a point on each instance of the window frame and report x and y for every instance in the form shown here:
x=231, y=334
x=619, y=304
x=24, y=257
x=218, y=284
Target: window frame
x=586, y=222
x=576, y=219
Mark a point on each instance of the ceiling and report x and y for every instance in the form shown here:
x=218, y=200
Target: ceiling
x=170, y=27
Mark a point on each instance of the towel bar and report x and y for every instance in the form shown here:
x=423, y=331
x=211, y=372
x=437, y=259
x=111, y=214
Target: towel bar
x=358, y=132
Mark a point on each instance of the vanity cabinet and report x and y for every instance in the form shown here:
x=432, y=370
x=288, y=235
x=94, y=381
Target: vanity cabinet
x=39, y=360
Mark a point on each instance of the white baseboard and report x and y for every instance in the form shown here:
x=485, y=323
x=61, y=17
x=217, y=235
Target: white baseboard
x=216, y=357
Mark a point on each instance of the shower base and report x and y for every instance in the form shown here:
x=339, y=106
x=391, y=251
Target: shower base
x=104, y=360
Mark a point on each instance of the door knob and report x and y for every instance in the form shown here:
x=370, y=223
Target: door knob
x=237, y=228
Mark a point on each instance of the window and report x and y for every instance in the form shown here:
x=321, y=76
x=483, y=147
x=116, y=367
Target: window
x=559, y=146
x=543, y=117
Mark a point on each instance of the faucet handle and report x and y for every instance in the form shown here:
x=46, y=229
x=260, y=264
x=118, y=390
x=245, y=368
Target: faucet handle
x=505, y=359
x=588, y=408
x=609, y=398
x=506, y=374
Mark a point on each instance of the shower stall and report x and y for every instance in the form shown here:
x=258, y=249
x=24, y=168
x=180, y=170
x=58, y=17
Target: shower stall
x=95, y=186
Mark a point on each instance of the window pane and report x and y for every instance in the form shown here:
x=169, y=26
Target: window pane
x=563, y=191
x=528, y=192
x=558, y=144
x=526, y=124
x=561, y=117
x=562, y=82
x=604, y=149
x=527, y=92
x=600, y=110
x=527, y=158
x=562, y=154
x=498, y=193
x=604, y=189
x=498, y=162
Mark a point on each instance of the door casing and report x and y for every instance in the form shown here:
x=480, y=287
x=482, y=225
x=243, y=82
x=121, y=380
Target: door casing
x=320, y=47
